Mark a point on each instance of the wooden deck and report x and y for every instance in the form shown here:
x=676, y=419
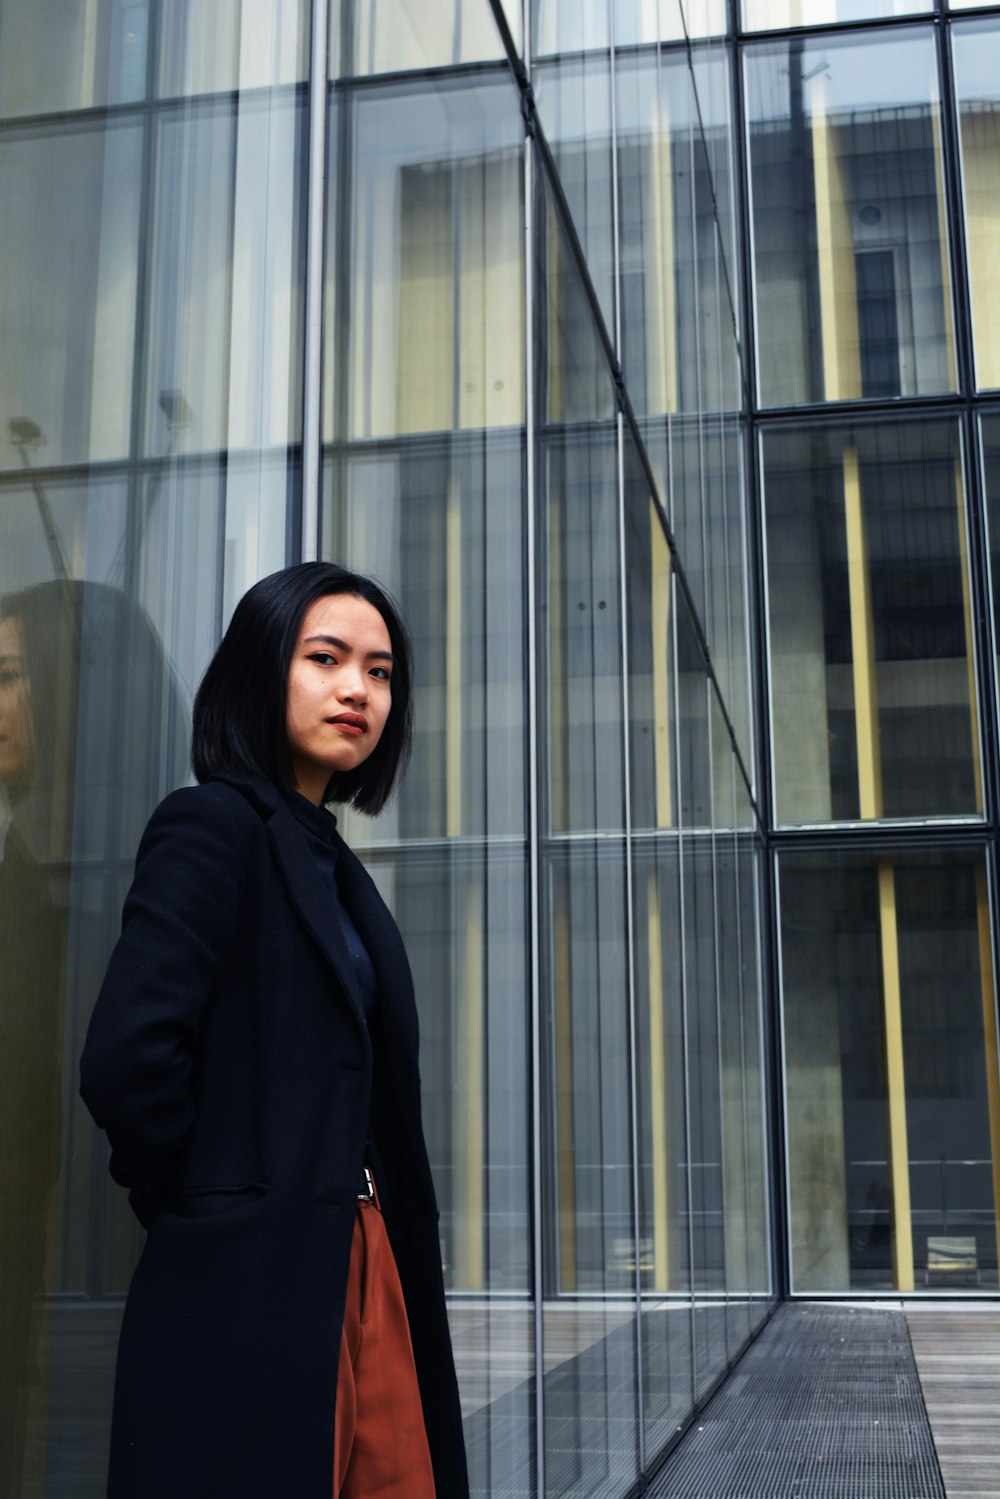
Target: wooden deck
x=957, y=1349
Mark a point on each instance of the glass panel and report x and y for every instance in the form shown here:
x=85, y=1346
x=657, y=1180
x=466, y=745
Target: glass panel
x=68, y=287
x=99, y=58
x=425, y=249
x=107, y=619
x=989, y=436
x=678, y=336
x=224, y=360
x=732, y=1093
x=400, y=36
x=574, y=103
x=639, y=21
x=761, y=15
x=872, y=683
x=591, y=1405
x=976, y=50
x=664, y=1255
x=701, y=1004
x=151, y=286
x=749, y=854
x=849, y=223
x=425, y=256
x=889, y=1014
x=231, y=44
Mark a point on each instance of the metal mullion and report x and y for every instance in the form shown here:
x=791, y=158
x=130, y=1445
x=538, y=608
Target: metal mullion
x=534, y=855
x=882, y=837
x=777, y=1092
x=718, y=1003
x=974, y=488
x=633, y=1085
x=685, y=1048
x=945, y=403
x=313, y=340
x=839, y=28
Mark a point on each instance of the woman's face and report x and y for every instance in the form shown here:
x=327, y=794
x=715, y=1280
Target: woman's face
x=16, y=738
x=338, y=696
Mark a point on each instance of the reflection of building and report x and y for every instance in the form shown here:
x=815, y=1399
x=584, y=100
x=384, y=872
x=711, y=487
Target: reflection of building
x=697, y=859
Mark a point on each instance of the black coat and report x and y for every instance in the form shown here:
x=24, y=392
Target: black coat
x=230, y=1063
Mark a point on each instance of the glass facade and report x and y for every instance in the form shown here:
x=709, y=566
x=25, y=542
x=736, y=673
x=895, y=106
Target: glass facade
x=651, y=365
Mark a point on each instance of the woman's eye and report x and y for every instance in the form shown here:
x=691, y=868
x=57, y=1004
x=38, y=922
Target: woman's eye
x=323, y=658
x=381, y=673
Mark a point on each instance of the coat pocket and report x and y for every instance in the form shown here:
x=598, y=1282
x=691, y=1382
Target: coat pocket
x=211, y=1202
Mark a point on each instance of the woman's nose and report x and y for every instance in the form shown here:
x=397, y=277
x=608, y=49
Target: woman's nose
x=352, y=687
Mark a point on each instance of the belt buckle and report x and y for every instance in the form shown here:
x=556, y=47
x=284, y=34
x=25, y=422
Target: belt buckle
x=369, y=1194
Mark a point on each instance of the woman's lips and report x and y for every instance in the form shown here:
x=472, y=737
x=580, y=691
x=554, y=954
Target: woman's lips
x=349, y=723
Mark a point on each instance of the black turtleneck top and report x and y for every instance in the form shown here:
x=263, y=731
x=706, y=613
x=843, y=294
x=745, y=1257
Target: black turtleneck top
x=320, y=829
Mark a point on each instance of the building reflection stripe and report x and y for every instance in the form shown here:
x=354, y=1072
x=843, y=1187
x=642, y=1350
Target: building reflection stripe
x=942, y=220
x=970, y=646
x=892, y=1019
x=870, y=798
x=838, y=294
x=660, y=590
x=658, y=1089
x=991, y=1040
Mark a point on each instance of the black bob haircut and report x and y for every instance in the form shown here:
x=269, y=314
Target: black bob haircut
x=239, y=723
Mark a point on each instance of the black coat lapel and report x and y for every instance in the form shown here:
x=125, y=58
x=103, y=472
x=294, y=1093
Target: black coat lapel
x=313, y=903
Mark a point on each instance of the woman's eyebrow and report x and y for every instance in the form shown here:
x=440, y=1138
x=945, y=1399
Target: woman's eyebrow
x=342, y=645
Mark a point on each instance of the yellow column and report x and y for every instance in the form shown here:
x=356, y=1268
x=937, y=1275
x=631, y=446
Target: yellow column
x=981, y=174
x=660, y=270
x=870, y=797
x=970, y=650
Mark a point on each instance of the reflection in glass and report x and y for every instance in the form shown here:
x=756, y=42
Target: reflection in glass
x=574, y=103
x=678, y=334
x=989, y=429
x=762, y=15
x=889, y=1015
x=701, y=1006
x=850, y=250
x=99, y=670
x=589, y=1331
x=223, y=365
x=976, y=51
x=424, y=246
x=56, y=57
x=873, y=703
x=231, y=44
x=68, y=280
x=664, y=1250
x=401, y=36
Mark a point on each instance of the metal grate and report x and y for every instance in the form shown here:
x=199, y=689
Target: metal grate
x=826, y=1404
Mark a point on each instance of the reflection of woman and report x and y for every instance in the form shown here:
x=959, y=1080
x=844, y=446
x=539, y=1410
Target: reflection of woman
x=81, y=669
x=253, y=1057
x=29, y=982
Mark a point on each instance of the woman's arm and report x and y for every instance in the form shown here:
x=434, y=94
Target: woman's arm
x=179, y=926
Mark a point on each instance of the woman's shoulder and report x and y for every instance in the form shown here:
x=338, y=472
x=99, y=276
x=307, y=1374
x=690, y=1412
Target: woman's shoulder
x=213, y=809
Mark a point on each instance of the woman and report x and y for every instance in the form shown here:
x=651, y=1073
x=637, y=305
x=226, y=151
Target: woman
x=253, y=1050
